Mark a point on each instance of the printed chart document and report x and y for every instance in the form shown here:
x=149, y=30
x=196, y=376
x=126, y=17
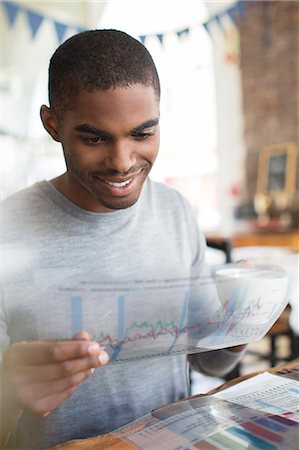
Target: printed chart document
x=259, y=413
x=265, y=392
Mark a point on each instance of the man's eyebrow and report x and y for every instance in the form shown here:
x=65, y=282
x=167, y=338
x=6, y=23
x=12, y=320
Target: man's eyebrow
x=85, y=128
x=144, y=125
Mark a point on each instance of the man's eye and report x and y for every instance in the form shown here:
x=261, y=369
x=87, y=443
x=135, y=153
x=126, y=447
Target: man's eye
x=142, y=136
x=94, y=140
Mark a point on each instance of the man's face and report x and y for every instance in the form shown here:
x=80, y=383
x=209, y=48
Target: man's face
x=110, y=141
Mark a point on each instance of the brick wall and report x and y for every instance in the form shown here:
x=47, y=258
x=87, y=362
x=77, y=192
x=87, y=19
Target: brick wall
x=269, y=39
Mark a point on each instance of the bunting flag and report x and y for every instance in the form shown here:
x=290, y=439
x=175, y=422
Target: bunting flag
x=160, y=37
x=60, y=29
x=11, y=11
x=241, y=8
x=219, y=21
x=35, y=20
x=81, y=29
x=206, y=26
x=183, y=32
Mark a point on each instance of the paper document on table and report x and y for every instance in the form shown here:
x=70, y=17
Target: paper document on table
x=215, y=423
x=143, y=318
x=266, y=392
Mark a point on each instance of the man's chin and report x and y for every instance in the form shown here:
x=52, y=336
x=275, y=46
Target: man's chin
x=119, y=204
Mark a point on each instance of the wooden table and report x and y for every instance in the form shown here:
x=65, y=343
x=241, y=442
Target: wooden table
x=288, y=239
x=108, y=442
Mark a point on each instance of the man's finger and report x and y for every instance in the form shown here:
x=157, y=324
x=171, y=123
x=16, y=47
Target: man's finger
x=81, y=336
x=33, y=393
x=56, y=371
x=47, y=352
x=44, y=406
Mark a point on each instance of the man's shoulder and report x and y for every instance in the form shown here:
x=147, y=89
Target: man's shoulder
x=23, y=205
x=23, y=197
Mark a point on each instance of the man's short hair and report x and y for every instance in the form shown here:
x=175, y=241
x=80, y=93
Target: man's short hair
x=98, y=60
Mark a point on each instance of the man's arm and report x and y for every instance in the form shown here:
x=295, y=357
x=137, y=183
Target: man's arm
x=217, y=362
x=9, y=414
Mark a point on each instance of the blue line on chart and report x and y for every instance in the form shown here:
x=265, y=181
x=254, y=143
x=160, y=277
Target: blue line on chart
x=121, y=332
x=182, y=319
x=234, y=304
x=76, y=305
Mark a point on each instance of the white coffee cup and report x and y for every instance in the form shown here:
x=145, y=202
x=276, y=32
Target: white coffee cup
x=262, y=288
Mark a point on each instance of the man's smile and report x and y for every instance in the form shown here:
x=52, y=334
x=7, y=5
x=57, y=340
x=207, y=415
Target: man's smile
x=119, y=185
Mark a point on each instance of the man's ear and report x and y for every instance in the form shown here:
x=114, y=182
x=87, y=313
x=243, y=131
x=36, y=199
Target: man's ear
x=50, y=122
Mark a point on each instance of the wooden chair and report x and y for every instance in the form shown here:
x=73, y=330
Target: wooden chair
x=282, y=328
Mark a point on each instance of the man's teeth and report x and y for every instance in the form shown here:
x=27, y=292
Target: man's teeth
x=124, y=183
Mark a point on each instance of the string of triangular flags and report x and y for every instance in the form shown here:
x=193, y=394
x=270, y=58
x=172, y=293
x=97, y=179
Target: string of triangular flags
x=238, y=10
x=35, y=21
x=160, y=36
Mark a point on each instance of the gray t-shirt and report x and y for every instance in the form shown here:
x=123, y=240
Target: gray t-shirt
x=50, y=246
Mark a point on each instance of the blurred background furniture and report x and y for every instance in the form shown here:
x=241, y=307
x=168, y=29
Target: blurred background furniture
x=223, y=244
x=288, y=240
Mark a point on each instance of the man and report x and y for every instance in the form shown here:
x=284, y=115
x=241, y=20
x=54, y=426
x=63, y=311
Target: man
x=102, y=216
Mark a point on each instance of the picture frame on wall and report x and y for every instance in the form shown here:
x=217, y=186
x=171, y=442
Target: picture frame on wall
x=277, y=170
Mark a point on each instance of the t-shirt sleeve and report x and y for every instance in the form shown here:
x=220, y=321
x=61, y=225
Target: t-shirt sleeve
x=216, y=362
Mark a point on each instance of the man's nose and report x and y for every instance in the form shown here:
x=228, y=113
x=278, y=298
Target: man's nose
x=120, y=157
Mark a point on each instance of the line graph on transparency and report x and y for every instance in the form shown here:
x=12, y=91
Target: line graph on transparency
x=160, y=333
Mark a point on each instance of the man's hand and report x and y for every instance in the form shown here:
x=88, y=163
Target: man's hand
x=237, y=348
x=39, y=376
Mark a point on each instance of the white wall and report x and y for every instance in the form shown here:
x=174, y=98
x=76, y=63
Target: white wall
x=230, y=117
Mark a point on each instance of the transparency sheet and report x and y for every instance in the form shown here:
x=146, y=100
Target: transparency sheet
x=210, y=423
x=144, y=318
